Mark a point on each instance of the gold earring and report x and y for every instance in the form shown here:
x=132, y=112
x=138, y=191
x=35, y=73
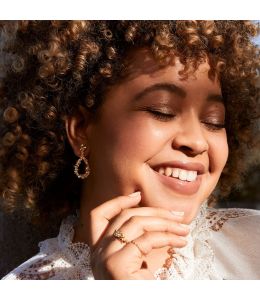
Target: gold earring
x=82, y=158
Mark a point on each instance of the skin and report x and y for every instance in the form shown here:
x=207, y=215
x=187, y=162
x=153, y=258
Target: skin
x=124, y=143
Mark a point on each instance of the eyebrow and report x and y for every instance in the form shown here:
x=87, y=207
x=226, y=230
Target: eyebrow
x=172, y=88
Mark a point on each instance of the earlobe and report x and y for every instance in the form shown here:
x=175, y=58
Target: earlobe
x=76, y=128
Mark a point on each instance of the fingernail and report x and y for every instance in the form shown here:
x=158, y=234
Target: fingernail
x=185, y=226
x=183, y=238
x=177, y=213
x=136, y=194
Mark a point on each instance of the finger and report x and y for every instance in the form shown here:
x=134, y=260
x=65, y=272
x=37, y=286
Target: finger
x=136, y=226
x=111, y=208
x=121, y=268
x=155, y=240
x=143, y=245
x=101, y=215
x=128, y=213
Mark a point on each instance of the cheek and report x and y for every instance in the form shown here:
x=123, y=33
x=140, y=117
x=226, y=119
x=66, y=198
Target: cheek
x=138, y=139
x=121, y=148
x=218, y=152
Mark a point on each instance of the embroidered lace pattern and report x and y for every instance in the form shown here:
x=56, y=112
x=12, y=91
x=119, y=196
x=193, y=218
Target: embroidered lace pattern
x=218, y=217
x=59, y=258
x=196, y=259
x=46, y=267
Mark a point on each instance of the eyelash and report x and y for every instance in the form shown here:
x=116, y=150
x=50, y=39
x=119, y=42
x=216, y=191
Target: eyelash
x=161, y=116
x=165, y=117
x=214, y=127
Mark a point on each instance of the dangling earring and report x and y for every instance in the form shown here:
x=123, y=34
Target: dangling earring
x=82, y=158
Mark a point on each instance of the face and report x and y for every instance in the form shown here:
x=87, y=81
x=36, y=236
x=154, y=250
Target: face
x=159, y=135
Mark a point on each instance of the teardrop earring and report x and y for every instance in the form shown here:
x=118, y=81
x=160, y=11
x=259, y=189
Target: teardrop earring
x=82, y=158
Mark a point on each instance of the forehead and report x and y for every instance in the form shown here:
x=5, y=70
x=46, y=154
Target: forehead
x=138, y=62
x=145, y=76
x=141, y=69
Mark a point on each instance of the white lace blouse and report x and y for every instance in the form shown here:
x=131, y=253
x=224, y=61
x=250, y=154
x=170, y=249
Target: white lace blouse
x=222, y=244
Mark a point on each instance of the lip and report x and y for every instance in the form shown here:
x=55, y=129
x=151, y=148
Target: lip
x=189, y=166
x=179, y=186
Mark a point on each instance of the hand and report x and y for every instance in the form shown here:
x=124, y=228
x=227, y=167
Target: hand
x=148, y=227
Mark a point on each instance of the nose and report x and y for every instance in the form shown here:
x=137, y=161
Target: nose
x=190, y=137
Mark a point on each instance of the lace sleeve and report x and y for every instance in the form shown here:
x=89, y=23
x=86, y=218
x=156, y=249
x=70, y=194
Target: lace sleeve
x=57, y=259
x=218, y=217
x=236, y=242
x=37, y=267
x=41, y=266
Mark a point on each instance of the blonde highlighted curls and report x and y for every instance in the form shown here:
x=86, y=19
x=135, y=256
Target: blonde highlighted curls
x=49, y=68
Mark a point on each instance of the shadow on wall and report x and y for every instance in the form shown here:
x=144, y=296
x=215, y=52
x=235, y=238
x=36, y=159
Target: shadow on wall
x=19, y=239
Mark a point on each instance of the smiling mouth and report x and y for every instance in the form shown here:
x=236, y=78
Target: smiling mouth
x=180, y=185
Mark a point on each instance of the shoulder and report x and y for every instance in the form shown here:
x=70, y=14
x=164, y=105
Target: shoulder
x=37, y=267
x=218, y=217
x=235, y=239
x=58, y=258
x=40, y=266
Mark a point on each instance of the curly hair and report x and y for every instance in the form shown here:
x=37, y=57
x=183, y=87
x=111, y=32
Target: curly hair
x=50, y=68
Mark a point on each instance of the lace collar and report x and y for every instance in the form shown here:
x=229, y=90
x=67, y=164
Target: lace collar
x=194, y=261
x=78, y=253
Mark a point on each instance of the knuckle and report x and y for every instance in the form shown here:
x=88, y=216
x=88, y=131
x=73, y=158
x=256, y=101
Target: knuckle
x=125, y=213
x=147, y=235
x=134, y=219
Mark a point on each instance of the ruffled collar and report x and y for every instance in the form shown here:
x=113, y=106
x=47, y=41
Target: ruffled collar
x=77, y=253
x=194, y=261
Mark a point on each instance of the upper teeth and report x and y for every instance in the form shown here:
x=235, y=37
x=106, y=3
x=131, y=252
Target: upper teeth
x=179, y=173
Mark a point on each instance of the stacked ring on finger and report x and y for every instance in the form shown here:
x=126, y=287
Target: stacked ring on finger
x=120, y=236
x=134, y=243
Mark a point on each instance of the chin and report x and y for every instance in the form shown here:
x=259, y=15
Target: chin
x=169, y=193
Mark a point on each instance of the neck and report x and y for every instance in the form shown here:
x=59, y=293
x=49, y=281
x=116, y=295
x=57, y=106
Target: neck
x=87, y=204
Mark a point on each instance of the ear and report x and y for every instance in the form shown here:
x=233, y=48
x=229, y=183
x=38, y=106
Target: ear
x=77, y=128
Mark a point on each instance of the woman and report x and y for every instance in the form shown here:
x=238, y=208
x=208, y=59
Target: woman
x=129, y=130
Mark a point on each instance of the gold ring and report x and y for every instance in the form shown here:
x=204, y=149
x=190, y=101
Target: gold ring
x=120, y=236
x=133, y=242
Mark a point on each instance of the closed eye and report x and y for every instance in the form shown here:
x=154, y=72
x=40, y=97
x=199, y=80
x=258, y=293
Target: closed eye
x=213, y=126
x=160, y=115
